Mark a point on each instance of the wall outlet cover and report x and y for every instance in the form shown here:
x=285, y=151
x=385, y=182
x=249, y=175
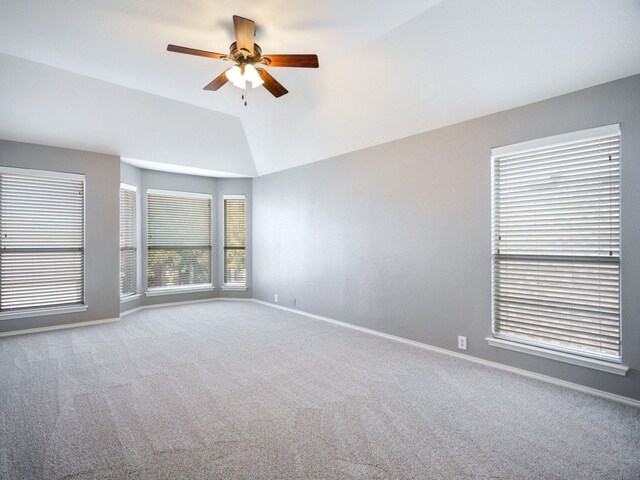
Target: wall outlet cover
x=275, y=298
x=462, y=342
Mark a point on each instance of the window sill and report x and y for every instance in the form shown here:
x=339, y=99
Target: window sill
x=40, y=312
x=559, y=356
x=129, y=298
x=176, y=290
x=237, y=288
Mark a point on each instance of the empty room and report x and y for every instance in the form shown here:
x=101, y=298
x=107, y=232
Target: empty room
x=346, y=239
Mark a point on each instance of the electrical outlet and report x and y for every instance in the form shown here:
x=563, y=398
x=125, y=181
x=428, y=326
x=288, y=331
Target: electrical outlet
x=294, y=302
x=462, y=342
x=275, y=298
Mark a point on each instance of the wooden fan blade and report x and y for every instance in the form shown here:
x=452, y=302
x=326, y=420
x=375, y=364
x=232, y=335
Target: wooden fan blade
x=219, y=81
x=271, y=84
x=245, y=32
x=193, y=51
x=301, y=61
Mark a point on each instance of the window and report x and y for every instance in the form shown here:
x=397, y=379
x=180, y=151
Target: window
x=128, y=241
x=179, y=240
x=235, y=268
x=42, y=239
x=556, y=243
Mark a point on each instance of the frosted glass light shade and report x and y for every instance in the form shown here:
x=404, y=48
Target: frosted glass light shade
x=252, y=75
x=234, y=74
x=240, y=83
x=240, y=76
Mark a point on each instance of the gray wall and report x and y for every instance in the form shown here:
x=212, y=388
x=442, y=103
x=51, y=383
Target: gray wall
x=396, y=238
x=102, y=176
x=148, y=179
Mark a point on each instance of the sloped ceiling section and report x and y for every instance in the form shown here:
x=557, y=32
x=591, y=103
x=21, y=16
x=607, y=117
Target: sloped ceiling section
x=46, y=105
x=387, y=70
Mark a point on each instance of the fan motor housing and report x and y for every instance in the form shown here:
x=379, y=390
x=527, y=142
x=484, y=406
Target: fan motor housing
x=244, y=56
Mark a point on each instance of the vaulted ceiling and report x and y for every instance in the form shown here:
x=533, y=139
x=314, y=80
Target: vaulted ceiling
x=97, y=76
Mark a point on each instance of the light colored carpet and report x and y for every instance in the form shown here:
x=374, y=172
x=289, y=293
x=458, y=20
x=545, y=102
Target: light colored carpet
x=230, y=390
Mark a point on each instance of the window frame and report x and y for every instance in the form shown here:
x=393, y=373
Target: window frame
x=242, y=287
x=131, y=296
x=567, y=354
x=203, y=287
x=55, y=309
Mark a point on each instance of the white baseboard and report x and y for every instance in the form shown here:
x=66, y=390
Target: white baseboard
x=500, y=366
x=186, y=302
x=59, y=327
x=183, y=302
x=130, y=311
x=115, y=319
x=488, y=363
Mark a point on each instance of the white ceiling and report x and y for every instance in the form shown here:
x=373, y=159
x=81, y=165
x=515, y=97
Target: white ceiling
x=387, y=70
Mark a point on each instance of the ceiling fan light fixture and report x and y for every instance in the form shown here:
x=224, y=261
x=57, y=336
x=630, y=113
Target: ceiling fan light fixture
x=241, y=83
x=239, y=76
x=252, y=75
x=244, y=52
x=234, y=74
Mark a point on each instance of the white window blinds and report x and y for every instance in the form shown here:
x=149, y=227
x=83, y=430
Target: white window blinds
x=235, y=271
x=556, y=242
x=42, y=239
x=128, y=241
x=179, y=239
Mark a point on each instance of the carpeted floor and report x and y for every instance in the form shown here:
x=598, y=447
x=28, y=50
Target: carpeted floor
x=230, y=390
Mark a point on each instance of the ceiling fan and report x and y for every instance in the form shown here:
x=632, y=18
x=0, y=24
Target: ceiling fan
x=246, y=54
